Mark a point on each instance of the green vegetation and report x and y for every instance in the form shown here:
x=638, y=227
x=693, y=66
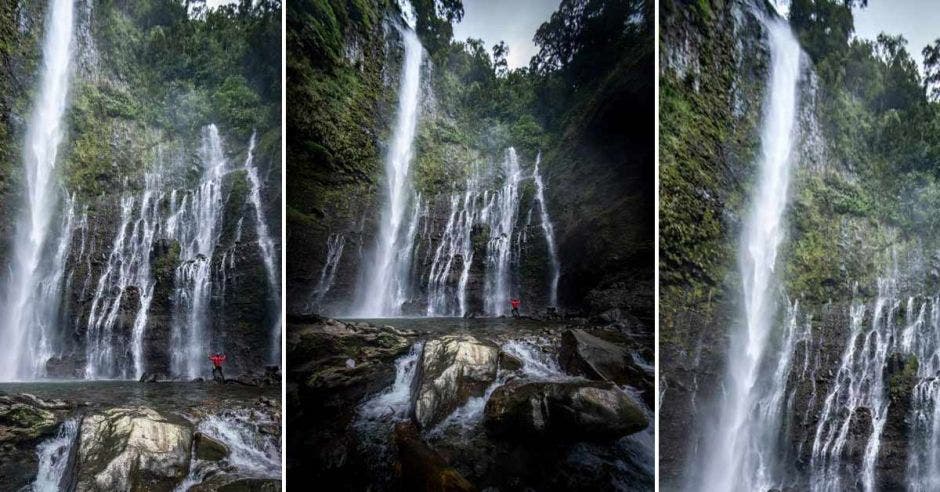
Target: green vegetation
x=870, y=193
x=160, y=75
x=880, y=128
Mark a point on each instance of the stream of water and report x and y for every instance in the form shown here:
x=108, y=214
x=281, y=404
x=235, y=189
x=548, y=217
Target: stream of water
x=30, y=306
x=386, y=279
x=54, y=454
x=743, y=449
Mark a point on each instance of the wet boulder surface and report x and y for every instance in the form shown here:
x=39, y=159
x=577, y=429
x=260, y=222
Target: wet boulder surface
x=470, y=405
x=132, y=449
x=25, y=421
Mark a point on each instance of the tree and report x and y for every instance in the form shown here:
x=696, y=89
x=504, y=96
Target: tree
x=500, y=65
x=932, y=70
x=902, y=85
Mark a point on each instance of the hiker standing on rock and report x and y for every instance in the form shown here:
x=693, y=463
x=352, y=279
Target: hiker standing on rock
x=217, y=360
x=515, y=307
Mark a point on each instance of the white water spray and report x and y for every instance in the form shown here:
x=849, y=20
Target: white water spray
x=334, y=252
x=388, y=275
x=739, y=458
x=549, y=230
x=27, y=310
x=53, y=456
x=127, y=273
x=196, y=224
x=501, y=214
x=268, y=250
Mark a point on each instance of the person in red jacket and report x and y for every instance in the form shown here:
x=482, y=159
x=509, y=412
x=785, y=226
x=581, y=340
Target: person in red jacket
x=515, y=307
x=217, y=360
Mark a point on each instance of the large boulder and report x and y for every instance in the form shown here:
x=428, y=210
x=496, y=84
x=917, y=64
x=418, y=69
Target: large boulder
x=132, y=449
x=593, y=357
x=419, y=467
x=568, y=411
x=24, y=423
x=453, y=369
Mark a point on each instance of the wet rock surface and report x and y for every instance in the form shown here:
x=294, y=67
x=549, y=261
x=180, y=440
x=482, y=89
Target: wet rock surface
x=132, y=448
x=569, y=411
x=453, y=369
x=24, y=422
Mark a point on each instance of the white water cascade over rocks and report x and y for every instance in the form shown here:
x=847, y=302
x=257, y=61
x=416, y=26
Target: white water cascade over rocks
x=54, y=454
x=30, y=306
x=742, y=455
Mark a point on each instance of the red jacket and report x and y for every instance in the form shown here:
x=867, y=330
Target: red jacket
x=515, y=303
x=217, y=359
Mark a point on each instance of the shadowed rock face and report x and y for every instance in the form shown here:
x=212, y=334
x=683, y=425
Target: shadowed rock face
x=23, y=423
x=572, y=411
x=132, y=449
x=422, y=468
x=453, y=368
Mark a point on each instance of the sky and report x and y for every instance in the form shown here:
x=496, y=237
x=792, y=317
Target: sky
x=917, y=20
x=514, y=22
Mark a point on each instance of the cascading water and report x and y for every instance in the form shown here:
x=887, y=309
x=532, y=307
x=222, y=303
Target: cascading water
x=196, y=224
x=537, y=365
x=501, y=214
x=742, y=457
x=30, y=308
x=394, y=403
x=549, y=230
x=858, y=386
x=924, y=462
x=334, y=253
x=127, y=274
x=454, y=246
x=386, y=278
x=266, y=243
x=54, y=454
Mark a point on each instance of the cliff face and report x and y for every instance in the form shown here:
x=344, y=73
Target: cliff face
x=134, y=146
x=596, y=168
x=856, y=264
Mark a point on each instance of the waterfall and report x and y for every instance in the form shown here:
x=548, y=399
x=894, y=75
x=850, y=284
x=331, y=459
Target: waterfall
x=395, y=402
x=128, y=275
x=924, y=462
x=500, y=214
x=29, y=307
x=454, y=247
x=268, y=250
x=252, y=452
x=334, y=252
x=549, y=230
x=740, y=457
x=54, y=454
x=196, y=225
x=387, y=278
x=859, y=387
